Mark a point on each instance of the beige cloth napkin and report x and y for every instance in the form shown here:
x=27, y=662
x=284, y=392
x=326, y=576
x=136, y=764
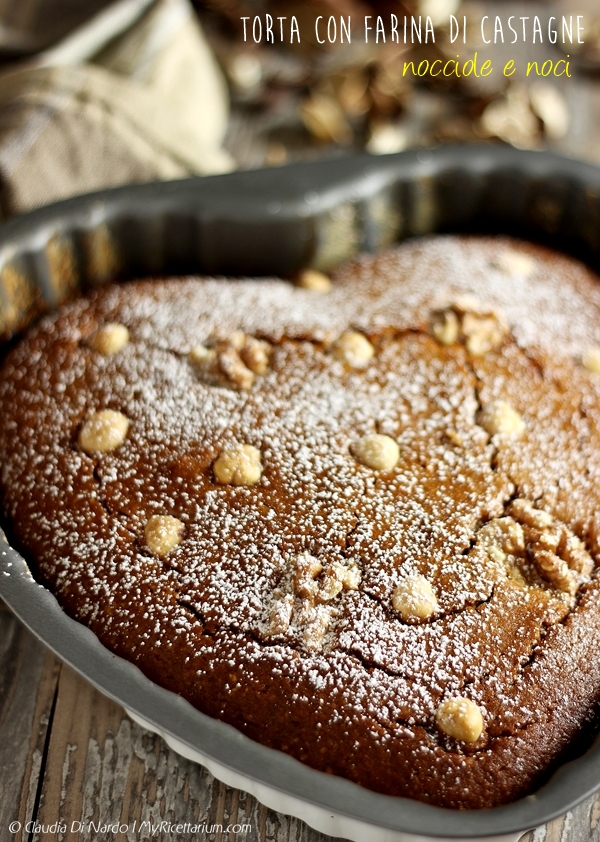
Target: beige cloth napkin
x=132, y=95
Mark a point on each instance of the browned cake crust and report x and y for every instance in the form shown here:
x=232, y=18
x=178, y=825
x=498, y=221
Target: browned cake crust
x=325, y=591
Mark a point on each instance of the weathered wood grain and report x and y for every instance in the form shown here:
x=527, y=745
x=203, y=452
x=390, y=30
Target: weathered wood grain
x=28, y=679
x=579, y=825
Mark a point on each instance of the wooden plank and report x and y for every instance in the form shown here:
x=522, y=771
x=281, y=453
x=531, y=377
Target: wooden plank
x=28, y=680
x=582, y=824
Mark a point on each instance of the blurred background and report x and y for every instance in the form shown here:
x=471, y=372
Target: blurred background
x=95, y=94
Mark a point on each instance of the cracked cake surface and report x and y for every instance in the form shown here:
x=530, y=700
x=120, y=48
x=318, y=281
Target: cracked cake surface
x=359, y=522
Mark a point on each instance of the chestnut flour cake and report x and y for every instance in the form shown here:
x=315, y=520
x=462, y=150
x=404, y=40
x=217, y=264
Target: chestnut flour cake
x=360, y=524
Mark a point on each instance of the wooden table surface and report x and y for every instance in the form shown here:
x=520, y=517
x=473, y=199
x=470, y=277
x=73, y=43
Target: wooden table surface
x=69, y=755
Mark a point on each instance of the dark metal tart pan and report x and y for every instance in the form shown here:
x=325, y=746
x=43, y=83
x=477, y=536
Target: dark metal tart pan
x=274, y=222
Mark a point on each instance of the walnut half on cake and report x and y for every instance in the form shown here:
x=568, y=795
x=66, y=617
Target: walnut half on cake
x=359, y=523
